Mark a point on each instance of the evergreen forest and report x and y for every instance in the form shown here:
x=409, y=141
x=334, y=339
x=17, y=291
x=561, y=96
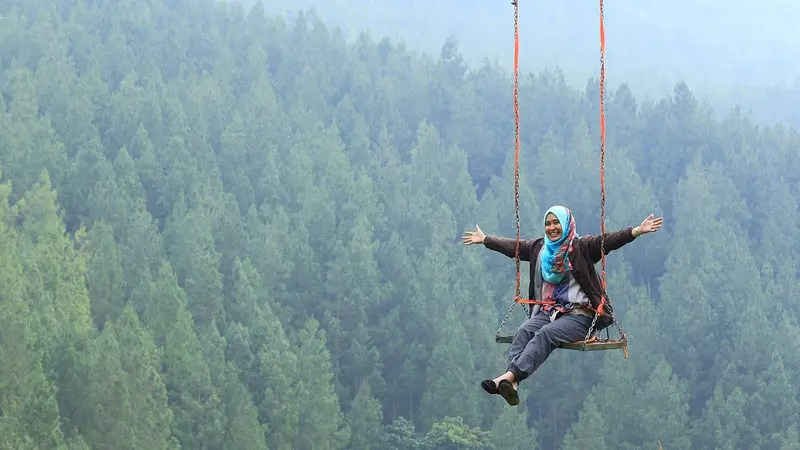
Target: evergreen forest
x=225, y=229
x=732, y=52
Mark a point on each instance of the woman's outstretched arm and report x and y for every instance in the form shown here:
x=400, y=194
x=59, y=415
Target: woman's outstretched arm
x=506, y=246
x=617, y=239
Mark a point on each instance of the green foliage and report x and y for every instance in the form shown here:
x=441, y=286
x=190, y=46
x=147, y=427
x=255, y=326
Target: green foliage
x=722, y=46
x=223, y=230
x=453, y=434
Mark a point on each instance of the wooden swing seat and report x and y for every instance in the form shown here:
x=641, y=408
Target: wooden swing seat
x=593, y=344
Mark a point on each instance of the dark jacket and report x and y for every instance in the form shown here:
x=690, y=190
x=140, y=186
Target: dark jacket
x=585, y=254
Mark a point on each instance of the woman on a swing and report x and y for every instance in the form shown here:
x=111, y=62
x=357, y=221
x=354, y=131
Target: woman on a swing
x=562, y=271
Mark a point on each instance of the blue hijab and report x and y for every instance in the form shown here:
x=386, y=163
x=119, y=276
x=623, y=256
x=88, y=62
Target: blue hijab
x=555, y=254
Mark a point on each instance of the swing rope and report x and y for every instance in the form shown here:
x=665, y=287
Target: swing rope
x=516, y=140
x=517, y=299
x=602, y=160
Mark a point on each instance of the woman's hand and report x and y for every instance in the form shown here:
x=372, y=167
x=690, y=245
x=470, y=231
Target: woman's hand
x=473, y=237
x=648, y=225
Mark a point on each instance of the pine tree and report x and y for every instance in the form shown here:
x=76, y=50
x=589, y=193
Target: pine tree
x=104, y=278
x=28, y=400
x=364, y=419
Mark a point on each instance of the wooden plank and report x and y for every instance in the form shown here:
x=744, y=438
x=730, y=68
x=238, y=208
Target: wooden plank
x=594, y=344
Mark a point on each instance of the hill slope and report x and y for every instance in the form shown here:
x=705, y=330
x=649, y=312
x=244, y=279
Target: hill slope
x=222, y=230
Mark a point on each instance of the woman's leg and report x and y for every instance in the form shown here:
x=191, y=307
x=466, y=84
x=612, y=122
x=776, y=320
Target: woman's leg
x=522, y=337
x=566, y=328
x=525, y=333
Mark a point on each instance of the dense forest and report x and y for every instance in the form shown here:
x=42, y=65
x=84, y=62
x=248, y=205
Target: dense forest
x=225, y=230
x=730, y=51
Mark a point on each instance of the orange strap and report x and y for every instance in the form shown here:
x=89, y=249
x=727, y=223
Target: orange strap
x=602, y=159
x=529, y=301
x=517, y=298
x=516, y=136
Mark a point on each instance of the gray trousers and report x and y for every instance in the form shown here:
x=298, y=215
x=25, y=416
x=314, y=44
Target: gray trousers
x=537, y=337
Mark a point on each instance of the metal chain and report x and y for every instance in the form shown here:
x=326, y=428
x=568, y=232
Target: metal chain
x=604, y=298
x=516, y=166
x=602, y=177
x=517, y=145
x=591, y=329
x=602, y=181
x=516, y=141
x=505, y=319
x=602, y=151
x=623, y=336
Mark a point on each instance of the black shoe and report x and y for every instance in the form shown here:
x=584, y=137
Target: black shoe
x=489, y=386
x=507, y=391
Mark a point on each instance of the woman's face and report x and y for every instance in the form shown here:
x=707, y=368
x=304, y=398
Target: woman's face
x=552, y=227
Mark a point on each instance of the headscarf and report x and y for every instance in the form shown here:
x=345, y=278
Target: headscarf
x=555, y=255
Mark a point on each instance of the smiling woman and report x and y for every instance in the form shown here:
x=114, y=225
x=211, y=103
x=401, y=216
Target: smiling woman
x=552, y=227
x=564, y=285
x=558, y=246
x=570, y=299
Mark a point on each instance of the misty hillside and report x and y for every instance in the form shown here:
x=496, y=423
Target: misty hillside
x=224, y=230
x=732, y=51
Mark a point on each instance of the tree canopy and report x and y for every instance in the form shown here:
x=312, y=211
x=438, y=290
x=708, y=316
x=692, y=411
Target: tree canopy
x=221, y=229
